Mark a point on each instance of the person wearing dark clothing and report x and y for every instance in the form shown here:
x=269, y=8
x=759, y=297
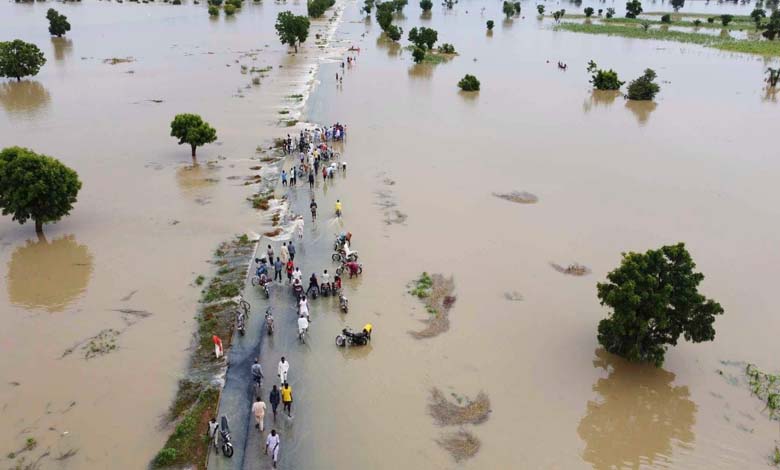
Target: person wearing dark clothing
x=311, y=179
x=278, y=267
x=291, y=250
x=274, y=398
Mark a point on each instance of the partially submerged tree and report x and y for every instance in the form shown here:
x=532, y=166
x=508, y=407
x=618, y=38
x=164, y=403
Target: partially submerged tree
x=317, y=8
x=654, y=298
x=508, y=9
x=19, y=59
x=633, y=8
x=230, y=9
x=677, y=4
x=447, y=48
x=758, y=16
x=213, y=10
x=605, y=80
x=490, y=25
x=423, y=37
x=469, y=83
x=772, y=28
x=518, y=8
x=418, y=55
x=36, y=187
x=193, y=130
x=773, y=76
x=667, y=18
x=426, y=5
x=610, y=12
x=643, y=88
x=368, y=5
x=726, y=19
x=58, y=24
x=588, y=12
x=398, y=5
x=558, y=15
x=540, y=9
x=384, y=14
x=394, y=32
x=292, y=29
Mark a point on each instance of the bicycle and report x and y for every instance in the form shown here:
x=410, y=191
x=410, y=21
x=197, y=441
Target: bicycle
x=244, y=305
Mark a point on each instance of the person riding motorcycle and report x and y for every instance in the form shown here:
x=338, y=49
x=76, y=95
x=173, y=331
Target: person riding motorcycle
x=303, y=324
x=326, y=279
x=262, y=271
x=313, y=283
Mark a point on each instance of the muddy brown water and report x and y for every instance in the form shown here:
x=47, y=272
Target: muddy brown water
x=611, y=176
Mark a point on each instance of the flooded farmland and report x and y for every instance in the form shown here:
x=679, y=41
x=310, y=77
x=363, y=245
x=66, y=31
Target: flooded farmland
x=609, y=175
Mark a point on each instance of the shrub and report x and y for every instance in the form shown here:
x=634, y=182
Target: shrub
x=643, y=88
x=606, y=80
x=490, y=25
x=633, y=8
x=213, y=10
x=540, y=9
x=216, y=3
x=726, y=19
x=666, y=18
x=418, y=55
x=697, y=22
x=230, y=9
x=447, y=48
x=469, y=83
x=426, y=5
x=710, y=20
x=588, y=12
x=508, y=9
x=165, y=457
x=316, y=8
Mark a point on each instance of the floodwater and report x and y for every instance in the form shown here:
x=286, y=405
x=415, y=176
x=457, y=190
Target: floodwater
x=611, y=176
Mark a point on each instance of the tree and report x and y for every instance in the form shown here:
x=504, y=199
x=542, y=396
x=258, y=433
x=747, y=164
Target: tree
x=292, y=29
x=368, y=6
x=213, y=10
x=540, y=9
x=447, y=48
x=677, y=4
x=384, y=14
x=192, y=129
x=666, y=19
x=588, y=12
x=610, y=12
x=643, y=88
x=557, y=15
x=508, y=9
x=490, y=25
x=697, y=22
x=772, y=28
x=605, y=80
x=399, y=5
x=423, y=37
x=469, y=83
x=758, y=15
x=633, y=8
x=654, y=299
x=58, y=24
x=230, y=9
x=317, y=8
x=394, y=32
x=19, y=59
x=426, y=5
x=517, y=7
x=418, y=55
x=36, y=187
x=726, y=19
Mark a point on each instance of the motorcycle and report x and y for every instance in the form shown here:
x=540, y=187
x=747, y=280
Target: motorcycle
x=350, y=338
x=263, y=282
x=224, y=435
x=325, y=290
x=341, y=256
x=343, y=303
x=297, y=291
x=269, y=322
x=341, y=269
x=241, y=323
x=313, y=291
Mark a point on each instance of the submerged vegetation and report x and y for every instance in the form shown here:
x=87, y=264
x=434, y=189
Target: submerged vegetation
x=438, y=295
x=643, y=88
x=466, y=411
x=469, y=83
x=461, y=444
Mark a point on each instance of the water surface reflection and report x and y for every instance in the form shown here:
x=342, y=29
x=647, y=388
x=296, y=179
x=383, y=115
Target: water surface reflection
x=639, y=416
x=641, y=109
x=62, y=47
x=48, y=275
x=26, y=98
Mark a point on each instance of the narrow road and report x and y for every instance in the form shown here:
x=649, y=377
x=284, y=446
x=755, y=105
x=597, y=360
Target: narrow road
x=313, y=254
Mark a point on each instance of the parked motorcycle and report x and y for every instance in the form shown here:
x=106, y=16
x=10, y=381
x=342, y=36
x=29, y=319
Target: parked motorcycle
x=343, y=268
x=341, y=256
x=241, y=323
x=224, y=435
x=350, y=338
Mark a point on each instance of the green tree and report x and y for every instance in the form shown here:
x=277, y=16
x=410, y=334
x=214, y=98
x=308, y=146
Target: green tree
x=192, y=129
x=666, y=18
x=469, y=83
x=557, y=15
x=58, y=24
x=213, y=10
x=726, y=19
x=384, y=14
x=518, y=7
x=447, y=48
x=291, y=29
x=540, y=9
x=398, y=5
x=633, y=8
x=588, y=12
x=317, y=8
x=490, y=25
x=423, y=37
x=426, y=5
x=36, y=187
x=418, y=55
x=236, y=3
x=230, y=9
x=758, y=15
x=654, y=299
x=368, y=5
x=19, y=59
x=677, y=4
x=508, y=9
x=772, y=28
x=394, y=32
x=643, y=88
x=773, y=76
x=610, y=12
x=605, y=80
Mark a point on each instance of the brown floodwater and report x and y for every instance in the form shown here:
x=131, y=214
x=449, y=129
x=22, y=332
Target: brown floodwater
x=611, y=176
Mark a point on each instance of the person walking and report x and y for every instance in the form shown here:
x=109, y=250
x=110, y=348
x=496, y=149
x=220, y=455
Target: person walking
x=290, y=267
x=311, y=179
x=291, y=251
x=258, y=409
x=278, y=267
x=284, y=253
x=274, y=398
x=282, y=370
x=270, y=254
x=292, y=176
x=284, y=178
x=287, y=399
x=272, y=442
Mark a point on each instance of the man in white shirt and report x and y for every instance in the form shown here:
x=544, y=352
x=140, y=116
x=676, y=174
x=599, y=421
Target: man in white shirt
x=273, y=442
x=297, y=275
x=303, y=324
x=282, y=370
x=303, y=308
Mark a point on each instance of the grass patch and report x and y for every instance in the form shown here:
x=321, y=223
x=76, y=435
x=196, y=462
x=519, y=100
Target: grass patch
x=188, y=445
x=284, y=111
x=437, y=293
x=760, y=47
x=296, y=97
x=219, y=288
x=261, y=201
x=446, y=413
x=461, y=445
x=199, y=280
x=733, y=26
x=433, y=56
x=188, y=394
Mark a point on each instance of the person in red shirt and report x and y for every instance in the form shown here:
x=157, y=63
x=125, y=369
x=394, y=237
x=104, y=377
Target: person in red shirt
x=290, y=268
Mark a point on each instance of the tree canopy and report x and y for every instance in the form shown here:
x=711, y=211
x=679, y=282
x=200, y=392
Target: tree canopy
x=36, y=187
x=508, y=9
x=643, y=88
x=469, y=83
x=654, y=299
x=633, y=8
x=193, y=130
x=58, y=24
x=291, y=29
x=317, y=8
x=423, y=37
x=19, y=59
x=426, y=5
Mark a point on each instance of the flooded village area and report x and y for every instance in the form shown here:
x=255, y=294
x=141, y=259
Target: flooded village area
x=483, y=220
